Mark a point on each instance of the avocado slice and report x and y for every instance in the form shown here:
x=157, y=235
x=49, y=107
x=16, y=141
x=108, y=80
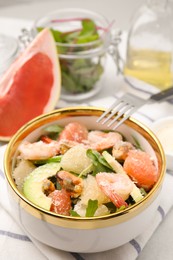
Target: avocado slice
x=32, y=187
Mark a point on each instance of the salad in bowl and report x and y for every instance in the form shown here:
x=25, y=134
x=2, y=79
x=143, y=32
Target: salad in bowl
x=73, y=182
x=75, y=171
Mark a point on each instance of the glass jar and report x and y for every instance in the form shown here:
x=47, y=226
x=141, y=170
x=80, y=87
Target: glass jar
x=8, y=51
x=150, y=45
x=82, y=59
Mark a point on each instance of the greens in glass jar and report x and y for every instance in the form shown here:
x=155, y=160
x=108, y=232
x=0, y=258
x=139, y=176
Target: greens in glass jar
x=79, y=72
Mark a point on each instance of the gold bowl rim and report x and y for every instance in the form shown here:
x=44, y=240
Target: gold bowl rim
x=81, y=222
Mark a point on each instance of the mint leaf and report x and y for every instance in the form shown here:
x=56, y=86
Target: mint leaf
x=91, y=208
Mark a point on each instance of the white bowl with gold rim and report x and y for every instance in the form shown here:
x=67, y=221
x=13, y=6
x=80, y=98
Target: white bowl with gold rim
x=80, y=234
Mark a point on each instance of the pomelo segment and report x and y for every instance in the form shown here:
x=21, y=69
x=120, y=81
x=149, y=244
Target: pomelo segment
x=140, y=167
x=31, y=86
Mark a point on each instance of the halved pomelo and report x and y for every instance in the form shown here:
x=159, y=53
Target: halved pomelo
x=31, y=86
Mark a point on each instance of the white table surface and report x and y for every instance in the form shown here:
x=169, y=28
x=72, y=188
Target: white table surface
x=120, y=10
x=160, y=245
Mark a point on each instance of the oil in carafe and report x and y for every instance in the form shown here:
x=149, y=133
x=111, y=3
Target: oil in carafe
x=150, y=45
x=153, y=67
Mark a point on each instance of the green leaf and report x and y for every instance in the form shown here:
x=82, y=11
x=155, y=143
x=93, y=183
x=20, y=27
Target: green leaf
x=99, y=163
x=70, y=37
x=50, y=160
x=86, y=171
x=89, y=27
x=121, y=208
x=73, y=213
x=39, y=29
x=68, y=82
x=91, y=208
x=80, y=63
x=136, y=143
x=111, y=207
x=56, y=34
x=78, y=75
x=143, y=192
x=88, y=33
x=85, y=71
x=54, y=129
x=87, y=38
x=104, y=162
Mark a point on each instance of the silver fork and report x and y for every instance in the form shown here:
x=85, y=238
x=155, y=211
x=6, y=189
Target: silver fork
x=128, y=104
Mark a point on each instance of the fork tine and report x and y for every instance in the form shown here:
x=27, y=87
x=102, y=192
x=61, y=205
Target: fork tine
x=126, y=108
x=131, y=111
x=118, y=108
x=108, y=110
x=121, y=110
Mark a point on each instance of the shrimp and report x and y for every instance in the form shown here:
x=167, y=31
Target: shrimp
x=64, y=144
x=71, y=183
x=100, y=141
x=61, y=202
x=140, y=167
x=116, y=186
x=38, y=150
x=120, y=150
x=74, y=132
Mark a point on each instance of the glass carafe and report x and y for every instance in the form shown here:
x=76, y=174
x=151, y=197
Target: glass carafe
x=150, y=45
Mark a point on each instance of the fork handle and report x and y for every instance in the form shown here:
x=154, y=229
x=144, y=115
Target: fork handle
x=163, y=95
